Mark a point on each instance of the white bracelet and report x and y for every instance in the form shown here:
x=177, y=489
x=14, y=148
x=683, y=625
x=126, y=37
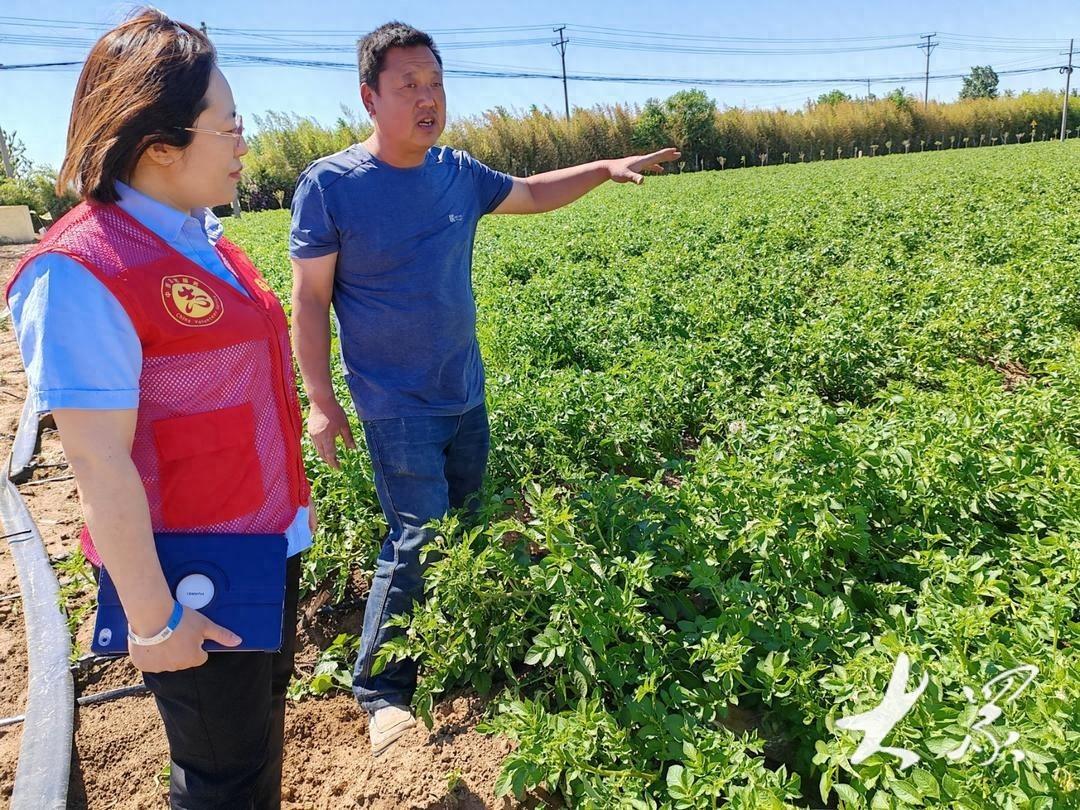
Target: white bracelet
x=161, y=636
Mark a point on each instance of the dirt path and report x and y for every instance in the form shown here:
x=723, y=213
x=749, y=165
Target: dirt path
x=120, y=752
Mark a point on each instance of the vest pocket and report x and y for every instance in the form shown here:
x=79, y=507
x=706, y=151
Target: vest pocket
x=208, y=466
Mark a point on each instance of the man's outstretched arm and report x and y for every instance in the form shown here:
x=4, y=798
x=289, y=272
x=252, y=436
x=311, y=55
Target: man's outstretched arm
x=551, y=190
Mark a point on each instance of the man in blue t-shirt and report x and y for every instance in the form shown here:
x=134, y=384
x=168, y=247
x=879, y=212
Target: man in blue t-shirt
x=384, y=231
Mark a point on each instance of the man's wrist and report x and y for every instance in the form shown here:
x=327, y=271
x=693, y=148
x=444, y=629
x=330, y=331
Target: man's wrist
x=322, y=399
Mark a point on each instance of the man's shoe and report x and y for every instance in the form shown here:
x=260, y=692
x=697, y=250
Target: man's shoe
x=386, y=725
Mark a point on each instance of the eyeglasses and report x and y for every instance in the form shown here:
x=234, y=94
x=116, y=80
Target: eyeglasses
x=235, y=134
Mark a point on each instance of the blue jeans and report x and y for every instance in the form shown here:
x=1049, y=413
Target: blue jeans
x=424, y=466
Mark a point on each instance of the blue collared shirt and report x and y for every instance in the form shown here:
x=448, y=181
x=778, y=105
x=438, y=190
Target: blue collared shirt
x=79, y=346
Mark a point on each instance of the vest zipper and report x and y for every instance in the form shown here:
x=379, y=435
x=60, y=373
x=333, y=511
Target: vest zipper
x=299, y=470
x=283, y=381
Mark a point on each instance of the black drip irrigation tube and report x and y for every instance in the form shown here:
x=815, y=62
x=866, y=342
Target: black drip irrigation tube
x=89, y=700
x=41, y=778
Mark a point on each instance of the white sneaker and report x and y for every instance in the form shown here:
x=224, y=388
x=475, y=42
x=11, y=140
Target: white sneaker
x=386, y=725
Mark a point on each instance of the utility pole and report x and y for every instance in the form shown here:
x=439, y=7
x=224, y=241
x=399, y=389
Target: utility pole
x=867, y=89
x=929, y=46
x=561, y=45
x=1065, y=105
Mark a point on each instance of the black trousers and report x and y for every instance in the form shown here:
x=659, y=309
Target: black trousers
x=225, y=721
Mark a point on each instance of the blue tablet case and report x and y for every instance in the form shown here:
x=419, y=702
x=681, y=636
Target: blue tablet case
x=235, y=580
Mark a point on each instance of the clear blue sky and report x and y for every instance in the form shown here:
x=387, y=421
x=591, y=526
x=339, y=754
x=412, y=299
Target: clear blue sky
x=36, y=104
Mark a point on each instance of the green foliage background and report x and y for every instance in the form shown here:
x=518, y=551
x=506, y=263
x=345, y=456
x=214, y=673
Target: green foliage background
x=535, y=140
x=754, y=435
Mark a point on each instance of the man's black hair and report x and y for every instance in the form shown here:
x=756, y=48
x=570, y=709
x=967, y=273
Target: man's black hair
x=371, y=50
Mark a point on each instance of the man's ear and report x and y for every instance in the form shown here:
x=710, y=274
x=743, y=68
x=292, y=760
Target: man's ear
x=367, y=96
x=161, y=154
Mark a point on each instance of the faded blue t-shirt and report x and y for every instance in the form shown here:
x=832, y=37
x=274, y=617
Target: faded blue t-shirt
x=403, y=296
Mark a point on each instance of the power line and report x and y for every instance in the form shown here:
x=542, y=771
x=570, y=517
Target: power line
x=254, y=54
x=39, y=22
x=287, y=46
x=604, y=31
x=1025, y=62
x=660, y=47
x=85, y=44
x=989, y=37
x=43, y=22
x=281, y=45
x=592, y=37
x=713, y=38
x=680, y=80
x=337, y=32
x=53, y=23
x=946, y=45
x=241, y=60
x=38, y=65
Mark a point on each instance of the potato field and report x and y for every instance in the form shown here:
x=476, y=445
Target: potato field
x=761, y=441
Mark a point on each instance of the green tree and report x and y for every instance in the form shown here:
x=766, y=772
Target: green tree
x=833, y=97
x=981, y=83
x=900, y=98
x=650, y=129
x=20, y=163
x=691, y=124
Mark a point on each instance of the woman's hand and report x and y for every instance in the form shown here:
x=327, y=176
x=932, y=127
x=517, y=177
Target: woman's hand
x=183, y=649
x=98, y=448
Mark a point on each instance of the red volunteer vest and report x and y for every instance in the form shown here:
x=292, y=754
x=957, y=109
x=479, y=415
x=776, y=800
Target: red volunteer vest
x=217, y=438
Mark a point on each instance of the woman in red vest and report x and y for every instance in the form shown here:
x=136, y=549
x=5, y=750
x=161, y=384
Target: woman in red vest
x=165, y=360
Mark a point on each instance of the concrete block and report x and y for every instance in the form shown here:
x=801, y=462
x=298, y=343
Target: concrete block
x=15, y=225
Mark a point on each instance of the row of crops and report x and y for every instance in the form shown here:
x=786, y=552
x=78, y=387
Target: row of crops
x=756, y=436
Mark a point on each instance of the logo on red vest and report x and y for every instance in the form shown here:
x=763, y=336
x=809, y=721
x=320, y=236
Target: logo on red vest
x=189, y=301
x=260, y=282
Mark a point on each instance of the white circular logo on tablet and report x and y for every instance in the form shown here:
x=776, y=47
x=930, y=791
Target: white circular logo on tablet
x=195, y=591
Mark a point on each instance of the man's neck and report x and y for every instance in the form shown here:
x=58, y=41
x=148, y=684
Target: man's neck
x=400, y=157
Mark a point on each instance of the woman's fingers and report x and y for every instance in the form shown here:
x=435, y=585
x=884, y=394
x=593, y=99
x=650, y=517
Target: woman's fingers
x=184, y=648
x=215, y=632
